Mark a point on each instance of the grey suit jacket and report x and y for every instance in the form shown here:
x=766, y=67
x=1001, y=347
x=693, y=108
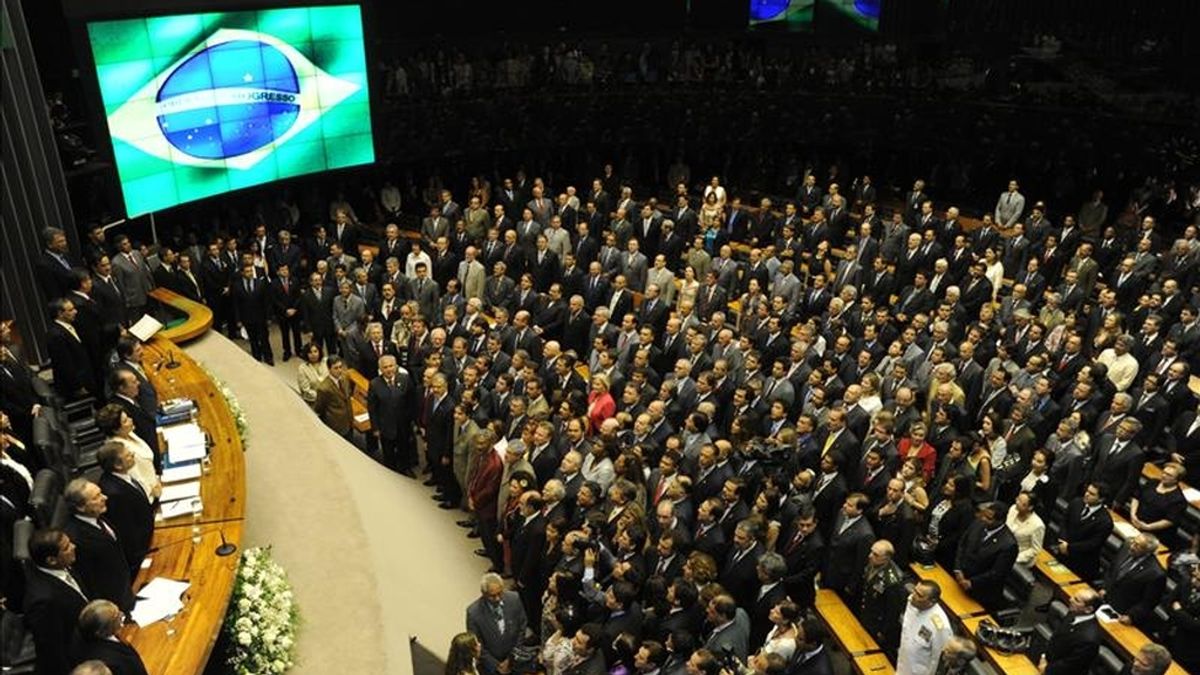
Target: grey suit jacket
x=347, y=310
x=735, y=636
x=134, y=278
x=427, y=298
x=635, y=267
x=1009, y=210
x=497, y=645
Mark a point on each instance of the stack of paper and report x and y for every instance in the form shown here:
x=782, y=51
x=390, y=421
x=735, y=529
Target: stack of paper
x=180, y=491
x=177, y=474
x=183, y=507
x=158, y=600
x=185, y=442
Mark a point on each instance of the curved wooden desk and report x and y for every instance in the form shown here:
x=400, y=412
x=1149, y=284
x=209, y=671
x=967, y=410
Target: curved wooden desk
x=223, y=492
x=199, y=316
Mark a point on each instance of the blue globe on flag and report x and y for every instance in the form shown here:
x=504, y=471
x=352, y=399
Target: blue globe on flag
x=229, y=100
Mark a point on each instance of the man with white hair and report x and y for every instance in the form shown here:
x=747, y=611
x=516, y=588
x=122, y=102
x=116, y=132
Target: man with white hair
x=498, y=620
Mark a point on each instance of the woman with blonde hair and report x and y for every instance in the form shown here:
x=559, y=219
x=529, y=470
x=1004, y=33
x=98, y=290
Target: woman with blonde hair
x=601, y=405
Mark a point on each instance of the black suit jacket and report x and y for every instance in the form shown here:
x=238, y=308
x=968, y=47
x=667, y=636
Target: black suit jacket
x=846, y=556
x=120, y=658
x=52, y=610
x=1134, y=591
x=131, y=514
x=250, y=305
x=1073, y=647
x=740, y=578
x=100, y=563
x=1121, y=472
x=760, y=619
x=712, y=542
x=986, y=562
x=317, y=310
x=804, y=560
x=72, y=367
x=391, y=408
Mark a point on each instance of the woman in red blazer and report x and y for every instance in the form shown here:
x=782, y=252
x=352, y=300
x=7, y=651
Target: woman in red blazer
x=601, y=405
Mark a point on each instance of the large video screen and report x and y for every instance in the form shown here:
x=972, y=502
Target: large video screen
x=201, y=104
x=865, y=13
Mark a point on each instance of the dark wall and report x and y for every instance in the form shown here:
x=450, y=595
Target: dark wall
x=35, y=193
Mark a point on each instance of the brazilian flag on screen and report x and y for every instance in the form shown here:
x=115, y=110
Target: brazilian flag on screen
x=201, y=104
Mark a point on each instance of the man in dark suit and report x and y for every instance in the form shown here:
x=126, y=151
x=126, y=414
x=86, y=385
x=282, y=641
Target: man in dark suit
x=710, y=538
x=770, y=571
x=316, y=308
x=54, y=265
x=1075, y=643
x=498, y=620
x=812, y=657
x=1135, y=581
x=285, y=302
x=99, y=623
x=1119, y=460
x=803, y=550
x=849, y=543
x=740, y=576
x=54, y=597
x=1085, y=529
x=390, y=400
x=73, y=372
x=374, y=347
x=100, y=556
x=250, y=303
x=437, y=425
x=528, y=543
x=130, y=504
x=986, y=554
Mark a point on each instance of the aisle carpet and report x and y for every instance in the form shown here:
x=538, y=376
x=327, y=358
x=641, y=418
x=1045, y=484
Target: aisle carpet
x=372, y=559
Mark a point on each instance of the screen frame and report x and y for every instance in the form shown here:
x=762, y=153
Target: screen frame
x=80, y=13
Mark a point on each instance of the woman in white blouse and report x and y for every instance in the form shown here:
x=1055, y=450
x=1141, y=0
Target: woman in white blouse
x=994, y=271
x=117, y=426
x=1027, y=528
x=785, y=633
x=312, y=371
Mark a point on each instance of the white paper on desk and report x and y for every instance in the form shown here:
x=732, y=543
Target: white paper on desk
x=185, y=442
x=183, y=507
x=178, y=491
x=178, y=474
x=146, y=612
x=362, y=417
x=145, y=328
x=1106, y=614
x=1126, y=530
x=158, y=600
x=1191, y=494
x=163, y=587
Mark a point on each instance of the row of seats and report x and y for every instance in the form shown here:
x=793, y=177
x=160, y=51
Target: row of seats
x=65, y=442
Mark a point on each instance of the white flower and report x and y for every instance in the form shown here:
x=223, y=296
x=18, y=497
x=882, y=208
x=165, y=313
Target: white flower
x=244, y=639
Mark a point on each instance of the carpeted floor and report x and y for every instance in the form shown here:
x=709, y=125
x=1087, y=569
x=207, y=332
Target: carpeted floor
x=372, y=558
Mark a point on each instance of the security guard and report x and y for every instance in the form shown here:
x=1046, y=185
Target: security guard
x=924, y=631
x=882, y=597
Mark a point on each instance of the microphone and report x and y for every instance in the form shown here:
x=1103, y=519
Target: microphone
x=225, y=548
x=172, y=364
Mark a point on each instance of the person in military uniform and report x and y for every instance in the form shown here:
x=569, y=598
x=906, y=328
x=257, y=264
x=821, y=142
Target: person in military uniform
x=924, y=630
x=882, y=598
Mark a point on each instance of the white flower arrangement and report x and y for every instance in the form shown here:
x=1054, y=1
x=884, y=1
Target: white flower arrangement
x=235, y=407
x=263, y=617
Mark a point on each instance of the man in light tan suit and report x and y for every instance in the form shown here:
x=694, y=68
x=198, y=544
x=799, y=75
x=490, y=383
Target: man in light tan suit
x=332, y=404
x=471, y=274
x=660, y=275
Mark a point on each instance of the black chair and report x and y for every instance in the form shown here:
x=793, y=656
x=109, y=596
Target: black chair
x=45, y=496
x=1107, y=662
x=47, y=441
x=22, y=533
x=980, y=667
x=16, y=645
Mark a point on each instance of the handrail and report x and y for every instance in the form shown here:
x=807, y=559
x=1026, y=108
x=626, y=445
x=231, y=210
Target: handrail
x=199, y=316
